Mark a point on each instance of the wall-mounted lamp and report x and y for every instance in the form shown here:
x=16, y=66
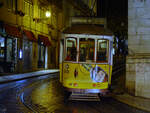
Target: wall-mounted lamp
x=47, y=14
x=20, y=54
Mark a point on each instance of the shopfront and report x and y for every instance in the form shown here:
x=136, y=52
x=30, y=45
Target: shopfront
x=8, y=48
x=43, y=44
x=28, y=39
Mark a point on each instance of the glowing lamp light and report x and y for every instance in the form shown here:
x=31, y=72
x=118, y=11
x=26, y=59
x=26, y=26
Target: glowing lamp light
x=20, y=54
x=48, y=14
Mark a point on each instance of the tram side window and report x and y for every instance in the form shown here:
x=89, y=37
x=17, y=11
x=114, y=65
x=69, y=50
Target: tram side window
x=71, y=49
x=87, y=47
x=102, y=49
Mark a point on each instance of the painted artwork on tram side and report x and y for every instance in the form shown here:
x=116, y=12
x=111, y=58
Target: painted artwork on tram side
x=97, y=74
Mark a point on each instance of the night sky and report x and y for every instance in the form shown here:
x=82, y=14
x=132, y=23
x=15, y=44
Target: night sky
x=116, y=13
x=111, y=8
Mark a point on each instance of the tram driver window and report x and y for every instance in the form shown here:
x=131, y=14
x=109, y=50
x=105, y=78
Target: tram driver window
x=102, y=48
x=71, y=49
x=87, y=47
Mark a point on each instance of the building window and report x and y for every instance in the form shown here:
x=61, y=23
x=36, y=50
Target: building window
x=41, y=13
x=28, y=8
x=11, y=4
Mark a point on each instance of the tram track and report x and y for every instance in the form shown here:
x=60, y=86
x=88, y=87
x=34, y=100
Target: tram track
x=24, y=95
x=25, y=103
x=26, y=100
x=106, y=105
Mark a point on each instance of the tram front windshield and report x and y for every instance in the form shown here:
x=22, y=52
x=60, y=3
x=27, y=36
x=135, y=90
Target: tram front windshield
x=86, y=50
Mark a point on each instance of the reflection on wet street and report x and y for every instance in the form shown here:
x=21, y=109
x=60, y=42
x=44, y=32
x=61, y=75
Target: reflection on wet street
x=49, y=97
x=46, y=95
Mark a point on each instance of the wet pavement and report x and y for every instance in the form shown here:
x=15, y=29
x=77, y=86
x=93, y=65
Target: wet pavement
x=46, y=95
x=10, y=101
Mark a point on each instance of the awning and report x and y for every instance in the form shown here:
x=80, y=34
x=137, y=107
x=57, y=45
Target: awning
x=45, y=40
x=13, y=31
x=30, y=35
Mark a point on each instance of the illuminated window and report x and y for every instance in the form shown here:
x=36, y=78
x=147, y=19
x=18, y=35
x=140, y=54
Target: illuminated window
x=41, y=12
x=87, y=48
x=71, y=49
x=102, y=51
x=28, y=8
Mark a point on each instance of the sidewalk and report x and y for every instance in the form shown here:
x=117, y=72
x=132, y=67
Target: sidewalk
x=7, y=78
x=137, y=102
x=120, y=94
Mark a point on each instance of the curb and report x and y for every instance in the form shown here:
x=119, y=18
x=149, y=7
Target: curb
x=15, y=77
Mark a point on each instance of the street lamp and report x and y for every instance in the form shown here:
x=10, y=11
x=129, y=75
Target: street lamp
x=48, y=14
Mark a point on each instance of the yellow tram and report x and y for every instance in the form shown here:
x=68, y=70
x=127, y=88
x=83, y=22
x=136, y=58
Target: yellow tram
x=86, y=58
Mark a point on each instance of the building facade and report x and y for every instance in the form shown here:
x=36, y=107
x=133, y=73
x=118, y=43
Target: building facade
x=29, y=40
x=138, y=60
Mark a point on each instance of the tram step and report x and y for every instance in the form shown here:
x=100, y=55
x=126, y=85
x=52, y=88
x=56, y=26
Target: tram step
x=84, y=97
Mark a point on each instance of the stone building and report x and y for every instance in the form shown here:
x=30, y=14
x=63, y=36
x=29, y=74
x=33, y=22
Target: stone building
x=138, y=60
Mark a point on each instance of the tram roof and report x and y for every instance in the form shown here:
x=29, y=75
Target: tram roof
x=87, y=29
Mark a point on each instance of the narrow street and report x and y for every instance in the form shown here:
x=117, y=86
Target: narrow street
x=45, y=95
